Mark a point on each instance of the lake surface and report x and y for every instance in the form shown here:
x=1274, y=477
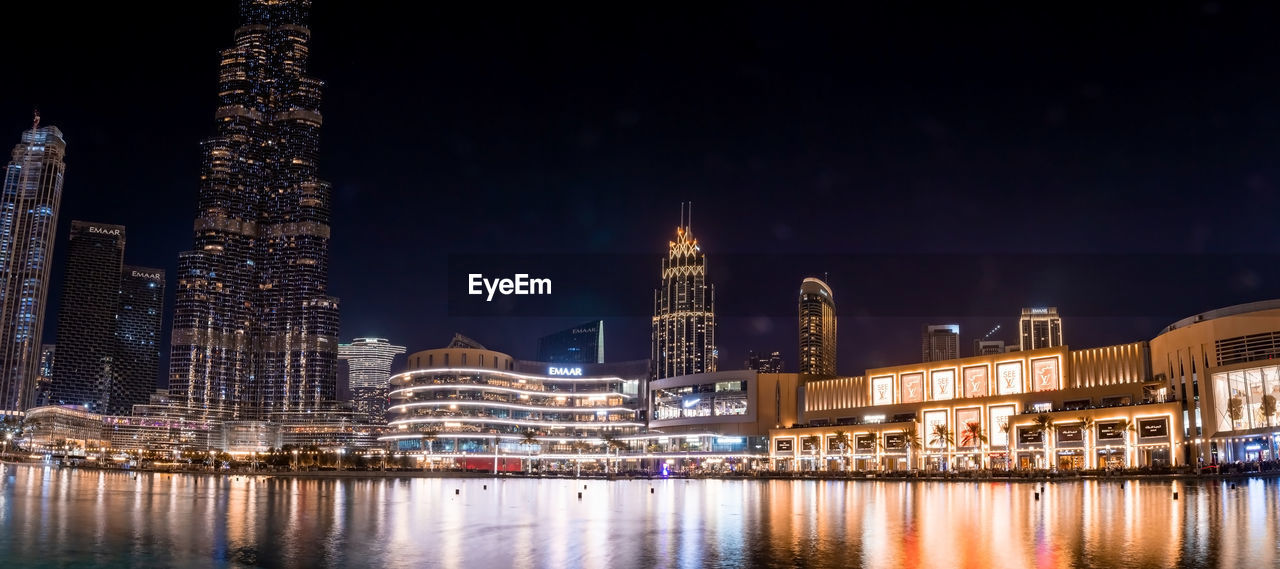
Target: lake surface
x=63, y=517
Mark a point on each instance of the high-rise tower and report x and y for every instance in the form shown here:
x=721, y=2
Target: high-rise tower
x=28, y=221
x=939, y=342
x=254, y=329
x=369, y=361
x=684, y=311
x=817, y=328
x=138, y=319
x=1039, y=328
x=87, y=315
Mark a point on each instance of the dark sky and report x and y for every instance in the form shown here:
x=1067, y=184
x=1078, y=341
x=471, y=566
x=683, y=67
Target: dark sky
x=1119, y=130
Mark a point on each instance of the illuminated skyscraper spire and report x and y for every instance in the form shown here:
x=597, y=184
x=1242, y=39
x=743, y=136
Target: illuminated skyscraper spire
x=684, y=320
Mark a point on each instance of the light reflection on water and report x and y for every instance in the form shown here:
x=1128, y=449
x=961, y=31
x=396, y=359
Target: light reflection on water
x=60, y=517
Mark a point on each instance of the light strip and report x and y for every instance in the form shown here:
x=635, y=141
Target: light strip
x=595, y=424
x=482, y=403
x=481, y=386
x=418, y=372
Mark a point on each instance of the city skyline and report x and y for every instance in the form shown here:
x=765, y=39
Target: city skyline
x=1064, y=114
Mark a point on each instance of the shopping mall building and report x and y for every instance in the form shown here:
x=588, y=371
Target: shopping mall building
x=1203, y=391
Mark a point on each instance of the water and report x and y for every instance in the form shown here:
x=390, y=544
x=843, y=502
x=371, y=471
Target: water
x=63, y=518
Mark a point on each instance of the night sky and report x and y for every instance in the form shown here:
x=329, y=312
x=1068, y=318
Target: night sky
x=807, y=142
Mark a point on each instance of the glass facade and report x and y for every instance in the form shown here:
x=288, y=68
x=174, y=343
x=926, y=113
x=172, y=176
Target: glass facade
x=1246, y=398
x=29, y=204
x=719, y=399
x=581, y=344
x=87, y=316
x=817, y=328
x=254, y=330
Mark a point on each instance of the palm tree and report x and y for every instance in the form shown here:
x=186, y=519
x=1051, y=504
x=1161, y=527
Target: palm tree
x=842, y=438
x=1125, y=427
x=579, y=446
x=530, y=439
x=1086, y=425
x=611, y=442
x=911, y=439
x=430, y=435
x=812, y=441
x=973, y=436
x=941, y=437
x=1043, y=424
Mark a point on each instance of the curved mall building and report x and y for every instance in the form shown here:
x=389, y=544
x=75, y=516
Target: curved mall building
x=467, y=399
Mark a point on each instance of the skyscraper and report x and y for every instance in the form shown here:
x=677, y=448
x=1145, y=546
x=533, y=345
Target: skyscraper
x=44, y=378
x=87, y=315
x=1039, y=328
x=940, y=342
x=108, y=324
x=28, y=221
x=684, y=311
x=139, y=314
x=254, y=329
x=581, y=344
x=988, y=347
x=817, y=328
x=764, y=364
x=369, y=361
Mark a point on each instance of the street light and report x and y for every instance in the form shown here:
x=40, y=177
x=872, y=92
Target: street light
x=295, y=460
x=7, y=437
x=341, y=452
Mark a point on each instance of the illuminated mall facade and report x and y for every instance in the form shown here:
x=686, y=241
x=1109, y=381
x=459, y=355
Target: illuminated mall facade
x=1201, y=392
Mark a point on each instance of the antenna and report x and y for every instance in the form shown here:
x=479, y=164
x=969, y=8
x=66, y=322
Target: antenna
x=35, y=122
x=690, y=222
x=682, y=215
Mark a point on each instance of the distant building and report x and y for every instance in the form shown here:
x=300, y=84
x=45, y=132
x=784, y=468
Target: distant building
x=817, y=328
x=1039, y=328
x=28, y=221
x=369, y=363
x=940, y=342
x=988, y=347
x=684, y=311
x=581, y=344
x=764, y=364
x=44, y=381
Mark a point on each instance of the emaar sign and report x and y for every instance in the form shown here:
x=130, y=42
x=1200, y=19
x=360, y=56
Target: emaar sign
x=567, y=371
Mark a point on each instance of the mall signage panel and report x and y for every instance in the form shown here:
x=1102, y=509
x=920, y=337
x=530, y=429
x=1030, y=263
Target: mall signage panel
x=882, y=390
x=975, y=381
x=1045, y=374
x=943, y=382
x=1009, y=378
x=912, y=387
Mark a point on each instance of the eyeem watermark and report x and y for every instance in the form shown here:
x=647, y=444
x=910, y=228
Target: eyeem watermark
x=521, y=285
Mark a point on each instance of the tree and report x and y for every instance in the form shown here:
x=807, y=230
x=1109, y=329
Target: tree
x=842, y=438
x=1043, y=424
x=1086, y=428
x=812, y=441
x=430, y=435
x=911, y=440
x=611, y=443
x=942, y=438
x=974, y=436
x=1125, y=427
